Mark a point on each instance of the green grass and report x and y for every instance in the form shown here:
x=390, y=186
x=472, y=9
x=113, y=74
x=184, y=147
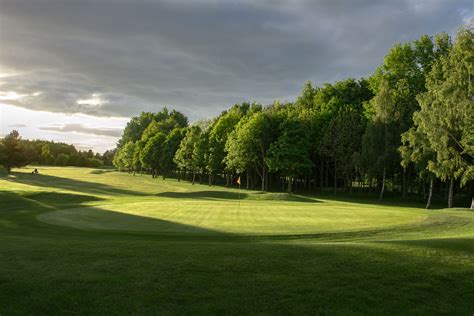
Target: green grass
x=85, y=241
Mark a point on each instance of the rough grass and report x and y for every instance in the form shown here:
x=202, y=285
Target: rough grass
x=86, y=241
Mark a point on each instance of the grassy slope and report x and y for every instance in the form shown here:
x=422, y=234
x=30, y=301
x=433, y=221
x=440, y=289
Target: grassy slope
x=148, y=246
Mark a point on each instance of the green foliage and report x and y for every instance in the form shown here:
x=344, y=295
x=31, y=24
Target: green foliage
x=123, y=158
x=151, y=154
x=445, y=123
x=350, y=130
x=289, y=154
x=189, y=155
x=12, y=151
x=62, y=160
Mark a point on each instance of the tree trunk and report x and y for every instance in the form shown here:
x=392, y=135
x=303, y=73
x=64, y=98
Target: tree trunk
x=210, y=178
x=321, y=175
x=424, y=189
x=451, y=193
x=350, y=183
x=335, y=176
x=194, y=177
x=247, y=179
x=264, y=175
x=327, y=174
x=430, y=194
x=383, y=186
x=404, y=185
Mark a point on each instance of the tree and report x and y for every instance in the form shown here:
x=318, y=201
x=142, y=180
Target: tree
x=62, y=160
x=46, y=156
x=341, y=139
x=108, y=157
x=151, y=154
x=12, y=152
x=170, y=147
x=219, y=131
x=186, y=156
x=123, y=158
x=446, y=117
x=290, y=153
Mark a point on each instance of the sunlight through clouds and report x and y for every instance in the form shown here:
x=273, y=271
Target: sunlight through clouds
x=84, y=131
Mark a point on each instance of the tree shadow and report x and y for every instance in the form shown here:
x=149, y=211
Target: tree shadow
x=171, y=271
x=42, y=180
x=63, y=200
x=96, y=218
x=230, y=195
x=459, y=245
x=101, y=171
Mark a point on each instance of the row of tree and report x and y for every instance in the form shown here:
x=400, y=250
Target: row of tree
x=16, y=152
x=407, y=127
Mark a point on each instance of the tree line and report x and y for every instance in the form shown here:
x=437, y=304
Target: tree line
x=408, y=129
x=16, y=152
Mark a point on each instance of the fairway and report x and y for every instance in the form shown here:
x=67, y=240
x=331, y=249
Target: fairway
x=95, y=241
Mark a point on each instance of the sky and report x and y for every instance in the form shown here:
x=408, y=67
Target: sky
x=75, y=71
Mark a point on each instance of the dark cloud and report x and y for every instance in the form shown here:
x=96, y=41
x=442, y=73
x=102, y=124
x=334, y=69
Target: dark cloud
x=79, y=128
x=199, y=56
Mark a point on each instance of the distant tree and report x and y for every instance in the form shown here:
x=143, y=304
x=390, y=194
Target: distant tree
x=12, y=152
x=46, y=157
x=108, y=157
x=62, y=160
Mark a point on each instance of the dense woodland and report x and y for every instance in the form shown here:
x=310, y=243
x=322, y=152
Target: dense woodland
x=408, y=129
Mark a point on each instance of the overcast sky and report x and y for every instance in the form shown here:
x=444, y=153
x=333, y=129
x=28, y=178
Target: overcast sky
x=75, y=71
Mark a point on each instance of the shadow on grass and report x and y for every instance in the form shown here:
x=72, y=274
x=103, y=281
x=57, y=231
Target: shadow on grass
x=229, y=195
x=152, y=277
x=149, y=274
x=97, y=218
x=459, y=245
x=63, y=200
x=43, y=180
x=101, y=171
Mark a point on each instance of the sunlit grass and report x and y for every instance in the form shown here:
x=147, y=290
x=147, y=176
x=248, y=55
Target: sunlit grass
x=85, y=241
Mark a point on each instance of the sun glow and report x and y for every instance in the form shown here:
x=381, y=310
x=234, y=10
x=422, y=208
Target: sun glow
x=94, y=101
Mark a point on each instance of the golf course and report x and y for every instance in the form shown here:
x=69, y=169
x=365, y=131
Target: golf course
x=97, y=241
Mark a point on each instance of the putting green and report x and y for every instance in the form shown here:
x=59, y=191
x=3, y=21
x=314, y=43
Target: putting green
x=250, y=218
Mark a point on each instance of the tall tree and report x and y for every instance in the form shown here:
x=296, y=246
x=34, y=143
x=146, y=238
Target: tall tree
x=446, y=117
